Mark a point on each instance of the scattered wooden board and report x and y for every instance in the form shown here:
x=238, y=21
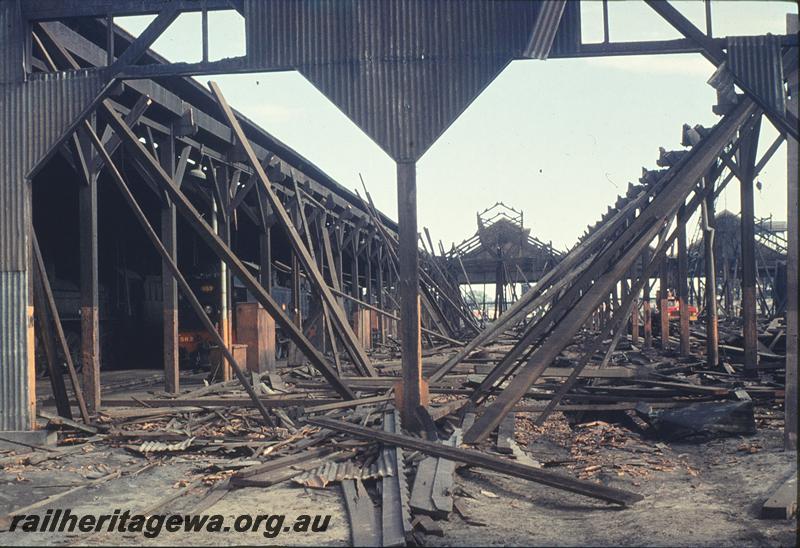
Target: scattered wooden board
x=783, y=502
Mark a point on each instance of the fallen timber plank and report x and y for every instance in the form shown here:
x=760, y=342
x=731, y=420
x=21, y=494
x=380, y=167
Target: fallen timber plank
x=348, y=403
x=782, y=504
x=476, y=458
x=395, y=517
x=432, y=493
x=505, y=434
x=57, y=420
x=287, y=472
x=595, y=406
x=364, y=526
x=224, y=402
x=276, y=464
x=686, y=387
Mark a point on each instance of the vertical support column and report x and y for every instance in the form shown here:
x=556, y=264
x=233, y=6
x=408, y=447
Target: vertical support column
x=90, y=295
x=266, y=341
x=712, y=333
x=222, y=324
x=338, y=259
x=369, y=297
x=265, y=259
x=635, y=321
x=225, y=279
x=294, y=357
x=499, y=288
x=381, y=304
x=683, y=288
x=646, y=317
x=296, y=292
x=747, y=154
x=663, y=305
x=355, y=289
x=368, y=274
x=169, y=287
x=409, y=293
x=170, y=300
x=792, y=273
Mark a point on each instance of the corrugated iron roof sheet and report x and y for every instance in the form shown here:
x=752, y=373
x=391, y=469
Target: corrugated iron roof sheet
x=757, y=62
x=402, y=71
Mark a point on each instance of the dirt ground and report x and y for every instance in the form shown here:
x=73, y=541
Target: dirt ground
x=706, y=494
x=719, y=506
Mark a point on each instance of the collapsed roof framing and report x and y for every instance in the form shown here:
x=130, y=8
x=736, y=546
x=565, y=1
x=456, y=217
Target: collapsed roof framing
x=582, y=280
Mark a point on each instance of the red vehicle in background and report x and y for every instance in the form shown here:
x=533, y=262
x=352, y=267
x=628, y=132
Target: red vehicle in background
x=674, y=308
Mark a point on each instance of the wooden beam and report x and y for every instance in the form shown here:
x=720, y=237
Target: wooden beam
x=663, y=305
x=746, y=157
x=38, y=264
x=89, y=291
x=792, y=272
x=169, y=287
x=712, y=320
x=477, y=458
x=641, y=230
x=142, y=43
x=683, y=287
x=127, y=135
x=188, y=211
x=343, y=328
x=411, y=343
x=51, y=357
x=782, y=504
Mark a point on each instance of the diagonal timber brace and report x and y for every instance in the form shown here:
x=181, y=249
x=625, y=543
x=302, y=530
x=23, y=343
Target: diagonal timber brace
x=636, y=237
x=193, y=217
x=337, y=317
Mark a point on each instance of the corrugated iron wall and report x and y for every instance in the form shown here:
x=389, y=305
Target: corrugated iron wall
x=757, y=61
x=402, y=70
x=33, y=115
x=15, y=411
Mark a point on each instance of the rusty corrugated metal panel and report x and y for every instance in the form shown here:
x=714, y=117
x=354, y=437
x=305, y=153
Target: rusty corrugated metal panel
x=32, y=116
x=757, y=62
x=404, y=70
x=544, y=31
x=15, y=411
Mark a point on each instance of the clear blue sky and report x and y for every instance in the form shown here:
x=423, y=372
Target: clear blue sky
x=558, y=139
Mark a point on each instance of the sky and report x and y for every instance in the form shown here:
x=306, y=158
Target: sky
x=558, y=139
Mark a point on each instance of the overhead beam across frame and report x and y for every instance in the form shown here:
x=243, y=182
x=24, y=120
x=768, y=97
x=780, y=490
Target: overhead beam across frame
x=44, y=10
x=95, y=55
